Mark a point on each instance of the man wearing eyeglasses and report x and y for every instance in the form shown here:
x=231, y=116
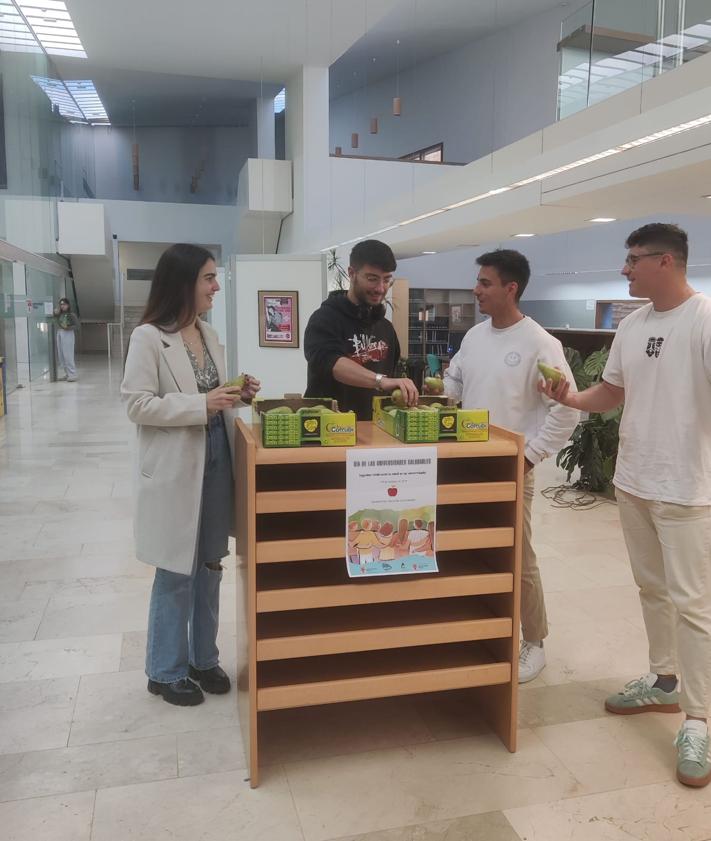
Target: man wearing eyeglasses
x=350, y=346
x=660, y=367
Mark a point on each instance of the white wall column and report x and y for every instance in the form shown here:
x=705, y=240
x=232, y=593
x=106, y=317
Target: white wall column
x=307, y=134
x=265, y=128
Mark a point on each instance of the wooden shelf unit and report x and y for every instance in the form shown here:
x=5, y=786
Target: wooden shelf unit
x=308, y=634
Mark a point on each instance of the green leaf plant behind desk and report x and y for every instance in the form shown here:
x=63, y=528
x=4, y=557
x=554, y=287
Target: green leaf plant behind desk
x=310, y=635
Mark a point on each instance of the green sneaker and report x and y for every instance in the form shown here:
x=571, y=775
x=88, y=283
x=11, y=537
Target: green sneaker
x=693, y=767
x=641, y=696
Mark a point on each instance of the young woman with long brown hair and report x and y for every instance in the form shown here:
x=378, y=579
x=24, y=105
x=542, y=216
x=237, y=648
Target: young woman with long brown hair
x=175, y=392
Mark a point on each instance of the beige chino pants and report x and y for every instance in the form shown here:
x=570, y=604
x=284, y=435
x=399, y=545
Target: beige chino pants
x=534, y=623
x=670, y=551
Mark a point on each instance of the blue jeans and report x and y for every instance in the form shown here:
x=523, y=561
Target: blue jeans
x=184, y=613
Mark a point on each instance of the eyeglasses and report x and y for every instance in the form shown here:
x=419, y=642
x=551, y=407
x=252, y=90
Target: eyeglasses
x=375, y=280
x=632, y=259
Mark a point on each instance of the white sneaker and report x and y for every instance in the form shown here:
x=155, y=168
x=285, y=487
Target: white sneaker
x=531, y=661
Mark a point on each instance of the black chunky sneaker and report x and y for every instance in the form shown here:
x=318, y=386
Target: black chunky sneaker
x=182, y=693
x=213, y=680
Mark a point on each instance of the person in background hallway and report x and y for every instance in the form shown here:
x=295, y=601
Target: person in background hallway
x=174, y=391
x=67, y=325
x=496, y=368
x=660, y=368
x=351, y=349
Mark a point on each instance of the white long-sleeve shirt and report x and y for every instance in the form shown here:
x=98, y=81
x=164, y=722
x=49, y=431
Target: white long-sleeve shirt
x=497, y=370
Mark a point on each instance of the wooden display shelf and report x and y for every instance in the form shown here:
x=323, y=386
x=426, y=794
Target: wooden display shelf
x=378, y=592
x=356, y=677
x=371, y=627
x=334, y=499
x=278, y=551
x=311, y=635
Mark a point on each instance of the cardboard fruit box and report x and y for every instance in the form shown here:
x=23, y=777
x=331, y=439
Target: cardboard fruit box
x=298, y=421
x=426, y=427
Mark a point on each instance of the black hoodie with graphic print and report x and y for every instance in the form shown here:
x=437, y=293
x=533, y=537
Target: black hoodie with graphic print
x=361, y=333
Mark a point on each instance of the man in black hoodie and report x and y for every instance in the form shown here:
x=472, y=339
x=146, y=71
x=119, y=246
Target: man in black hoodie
x=351, y=348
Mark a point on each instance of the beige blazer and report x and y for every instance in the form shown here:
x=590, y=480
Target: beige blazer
x=162, y=399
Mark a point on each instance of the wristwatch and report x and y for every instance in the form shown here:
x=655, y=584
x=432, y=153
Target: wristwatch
x=379, y=381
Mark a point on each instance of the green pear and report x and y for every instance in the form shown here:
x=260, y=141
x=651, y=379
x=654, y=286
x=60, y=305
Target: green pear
x=237, y=382
x=552, y=374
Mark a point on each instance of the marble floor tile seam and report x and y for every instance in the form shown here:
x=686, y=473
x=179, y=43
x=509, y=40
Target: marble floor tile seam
x=415, y=831
x=9, y=757
x=628, y=791
x=29, y=649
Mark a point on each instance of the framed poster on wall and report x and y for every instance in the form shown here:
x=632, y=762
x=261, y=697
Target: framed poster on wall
x=278, y=319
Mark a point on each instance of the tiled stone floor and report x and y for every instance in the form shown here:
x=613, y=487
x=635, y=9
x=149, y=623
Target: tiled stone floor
x=87, y=753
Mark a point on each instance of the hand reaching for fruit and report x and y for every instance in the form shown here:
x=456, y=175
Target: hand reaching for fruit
x=403, y=391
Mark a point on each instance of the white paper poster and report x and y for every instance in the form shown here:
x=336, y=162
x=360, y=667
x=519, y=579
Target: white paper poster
x=391, y=505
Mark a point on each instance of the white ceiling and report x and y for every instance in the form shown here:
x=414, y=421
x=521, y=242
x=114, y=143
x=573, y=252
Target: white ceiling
x=222, y=39
x=427, y=29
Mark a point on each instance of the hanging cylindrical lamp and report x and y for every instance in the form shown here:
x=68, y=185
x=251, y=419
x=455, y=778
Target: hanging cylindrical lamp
x=134, y=156
x=397, y=105
x=354, y=140
x=373, y=125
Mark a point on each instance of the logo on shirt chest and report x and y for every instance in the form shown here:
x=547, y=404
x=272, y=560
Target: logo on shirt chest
x=654, y=347
x=512, y=359
x=368, y=349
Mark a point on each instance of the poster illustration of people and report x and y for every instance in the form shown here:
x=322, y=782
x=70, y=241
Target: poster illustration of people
x=391, y=504
x=279, y=317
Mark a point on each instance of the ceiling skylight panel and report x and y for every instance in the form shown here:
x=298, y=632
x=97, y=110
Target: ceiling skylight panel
x=280, y=101
x=52, y=25
x=59, y=96
x=87, y=98
x=76, y=99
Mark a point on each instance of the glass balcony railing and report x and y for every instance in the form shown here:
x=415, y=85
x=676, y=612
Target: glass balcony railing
x=609, y=46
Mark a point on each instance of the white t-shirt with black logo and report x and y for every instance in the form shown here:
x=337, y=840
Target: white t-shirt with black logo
x=663, y=362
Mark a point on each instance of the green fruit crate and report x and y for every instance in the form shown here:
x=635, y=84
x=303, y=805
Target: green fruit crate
x=296, y=421
x=418, y=427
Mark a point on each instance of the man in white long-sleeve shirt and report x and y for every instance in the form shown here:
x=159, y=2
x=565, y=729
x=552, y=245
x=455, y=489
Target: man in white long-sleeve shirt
x=496, y=369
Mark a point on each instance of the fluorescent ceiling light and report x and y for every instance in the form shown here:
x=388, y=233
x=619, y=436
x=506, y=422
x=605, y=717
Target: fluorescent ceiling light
x=429, y=252
x=701, y=29
x=640, y=58
x=684, y=41
x=604, y=70
x=619, y=63
x=615, y=150
x=75, y=99
x=603, y=219
x=523, y=236
x=36, y=25
x=658, y=50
